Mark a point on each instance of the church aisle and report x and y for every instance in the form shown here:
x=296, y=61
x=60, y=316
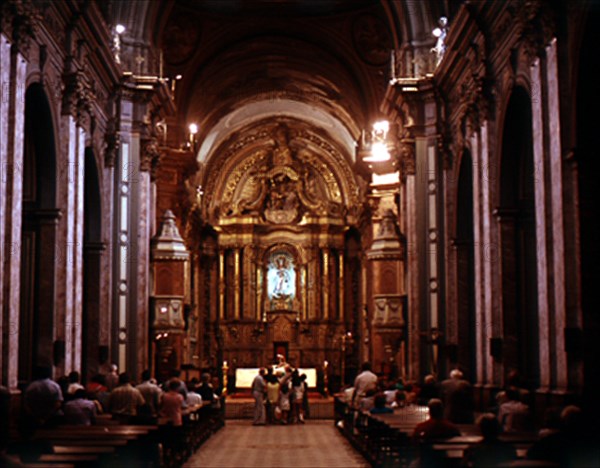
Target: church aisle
x=314, y=444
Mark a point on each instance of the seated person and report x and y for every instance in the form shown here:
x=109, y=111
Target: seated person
x=400, y=401
x=429, y=390
x=490, y=451
x=390, y=394
x=573, y=445
x=436, y=427
x=380, y=405
x=513, y=415
x=79, y=410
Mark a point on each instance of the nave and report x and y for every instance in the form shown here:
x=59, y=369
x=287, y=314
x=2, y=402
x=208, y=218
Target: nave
x=206, y=187
x=239, y=444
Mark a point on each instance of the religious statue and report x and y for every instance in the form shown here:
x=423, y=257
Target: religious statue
x=281, y=278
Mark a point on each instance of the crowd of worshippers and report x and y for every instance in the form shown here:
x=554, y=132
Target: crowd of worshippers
x=280, y=396
x=48, y=403
x=566, y=437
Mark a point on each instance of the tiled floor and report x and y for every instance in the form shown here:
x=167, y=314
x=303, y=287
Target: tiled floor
x=314, y=444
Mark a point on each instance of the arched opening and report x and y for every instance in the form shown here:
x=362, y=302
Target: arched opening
x=92, y=267
x=518, y=242
x=588, y=100
x=465, y=268
x=39, y=251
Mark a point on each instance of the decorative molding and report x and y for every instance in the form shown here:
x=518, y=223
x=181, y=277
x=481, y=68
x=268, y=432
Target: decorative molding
x=150, y=156
x=112, y=140
x=538, y=27
x=20, y=20
x=408, y=157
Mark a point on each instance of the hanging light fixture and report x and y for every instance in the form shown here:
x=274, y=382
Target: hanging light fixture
x=375, y=148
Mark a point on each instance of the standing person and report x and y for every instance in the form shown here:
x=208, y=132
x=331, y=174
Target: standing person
x=111, y=378
x=151, y=392
x=258, y=393
x=364, y=381
x=205, y=389
x=171, y=409
x=125, y=400
x=298, y=395
x=305, y=406
x=172, y=404
x=272, y=397
x=284, y=402
x=457, y=396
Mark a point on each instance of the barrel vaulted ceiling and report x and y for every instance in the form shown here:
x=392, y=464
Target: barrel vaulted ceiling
x=326, y=62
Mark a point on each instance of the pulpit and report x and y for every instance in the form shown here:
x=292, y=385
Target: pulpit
x=169, y=255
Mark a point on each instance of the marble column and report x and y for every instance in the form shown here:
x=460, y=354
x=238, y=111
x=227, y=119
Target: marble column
x=139, y=314
x=6, y=170
x=413, y=263
x=70, y=245
x=13, y=66
x=537, y=114
x=482, y=352
x=558, y=227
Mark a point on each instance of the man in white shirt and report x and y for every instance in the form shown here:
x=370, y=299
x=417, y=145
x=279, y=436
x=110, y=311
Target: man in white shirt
x=364, y=381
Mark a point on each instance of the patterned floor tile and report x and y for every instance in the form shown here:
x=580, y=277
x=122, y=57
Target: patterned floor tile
x=314, y=444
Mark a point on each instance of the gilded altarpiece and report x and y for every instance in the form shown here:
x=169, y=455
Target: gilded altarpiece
x=281, y=200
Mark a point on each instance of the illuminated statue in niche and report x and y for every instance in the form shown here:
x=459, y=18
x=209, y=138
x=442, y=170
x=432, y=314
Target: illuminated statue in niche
x=281, y=277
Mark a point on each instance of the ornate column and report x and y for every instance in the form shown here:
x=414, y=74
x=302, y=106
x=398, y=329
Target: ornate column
x=221, y=285
x=325, y=258
x=259, y=292
x=236, y=283
x=304, y=289
x=341, y=291
x=169, y=255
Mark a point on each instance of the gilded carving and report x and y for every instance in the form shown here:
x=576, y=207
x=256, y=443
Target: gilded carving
x=280, y=184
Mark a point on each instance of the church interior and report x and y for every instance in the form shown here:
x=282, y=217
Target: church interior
x=213, y=185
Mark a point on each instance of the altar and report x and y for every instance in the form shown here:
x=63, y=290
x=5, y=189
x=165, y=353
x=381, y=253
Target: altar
x=245, y=376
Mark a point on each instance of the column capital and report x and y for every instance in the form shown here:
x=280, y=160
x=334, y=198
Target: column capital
x=112, y=140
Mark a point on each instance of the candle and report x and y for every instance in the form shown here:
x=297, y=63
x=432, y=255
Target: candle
x=393, y=63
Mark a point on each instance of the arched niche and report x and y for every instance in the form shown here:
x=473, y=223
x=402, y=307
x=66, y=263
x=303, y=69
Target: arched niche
x=518, y=242
x=93, y=249
x=39, y=248
x=465, y=269
x=588, y=168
